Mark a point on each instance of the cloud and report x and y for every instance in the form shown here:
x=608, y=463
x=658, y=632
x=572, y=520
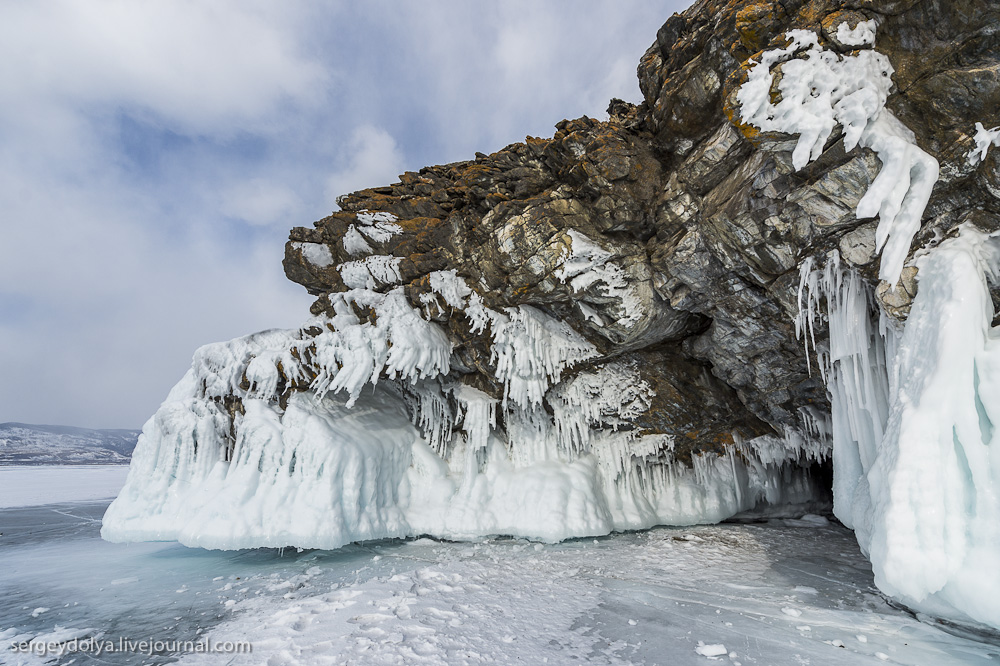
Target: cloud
x=154, y=154
x=195, y=65
x=373, y=158
x=260, y=202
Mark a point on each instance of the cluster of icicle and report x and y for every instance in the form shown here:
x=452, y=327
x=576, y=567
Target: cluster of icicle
x=821, y=89
x=356, y=427
x=916, y=472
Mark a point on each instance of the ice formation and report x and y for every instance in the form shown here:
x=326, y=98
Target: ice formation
x=985, y=138
x=913, y=427
x=824, y=89
x=587, y=265
x=354, y=428
x=863, y=34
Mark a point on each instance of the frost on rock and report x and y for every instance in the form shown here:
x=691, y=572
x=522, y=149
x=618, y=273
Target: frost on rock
x=587, y=265
x=985, y=138
x=914, y=413
x=371, y=271
x=820, y=90
x=356, y=427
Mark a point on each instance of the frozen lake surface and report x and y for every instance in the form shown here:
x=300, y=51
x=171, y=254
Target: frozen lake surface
x=787, y=592
x=47, y=484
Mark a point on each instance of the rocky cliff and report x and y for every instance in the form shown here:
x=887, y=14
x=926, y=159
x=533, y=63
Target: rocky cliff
x=779, y=259
x=688, y=224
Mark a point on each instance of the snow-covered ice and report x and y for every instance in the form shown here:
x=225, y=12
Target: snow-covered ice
x=654, y=597
x=27, y=486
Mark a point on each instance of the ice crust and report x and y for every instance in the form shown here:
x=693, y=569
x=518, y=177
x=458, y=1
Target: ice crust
x=915, y=469
x=351, y=429
x=820, y=90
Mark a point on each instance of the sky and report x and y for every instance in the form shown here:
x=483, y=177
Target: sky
x=154, y=155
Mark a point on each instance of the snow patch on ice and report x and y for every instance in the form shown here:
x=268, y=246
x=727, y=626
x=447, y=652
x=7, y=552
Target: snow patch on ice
x=713, y=650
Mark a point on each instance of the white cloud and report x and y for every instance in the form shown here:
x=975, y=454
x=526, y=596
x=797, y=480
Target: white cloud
x=153, y=155
x=260, y=202
x=198, y=66
x=373, y=158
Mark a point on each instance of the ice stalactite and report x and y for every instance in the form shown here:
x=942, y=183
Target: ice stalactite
x=856, y=365
x=915, y=468
x=824, y=89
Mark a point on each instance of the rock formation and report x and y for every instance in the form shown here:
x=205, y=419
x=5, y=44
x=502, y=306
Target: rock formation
x=645, y=292
x=701, y=219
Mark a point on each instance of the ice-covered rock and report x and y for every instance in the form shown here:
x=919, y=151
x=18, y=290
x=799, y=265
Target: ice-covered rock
x=604, y=330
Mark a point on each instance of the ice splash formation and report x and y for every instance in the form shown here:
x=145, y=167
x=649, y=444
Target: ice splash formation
x=824, y=89
x=348, y=430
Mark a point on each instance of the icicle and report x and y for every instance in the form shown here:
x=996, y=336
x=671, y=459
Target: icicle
x=856, y=369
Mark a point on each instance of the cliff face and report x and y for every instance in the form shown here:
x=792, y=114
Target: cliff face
x=672, y=235
x=780, y=257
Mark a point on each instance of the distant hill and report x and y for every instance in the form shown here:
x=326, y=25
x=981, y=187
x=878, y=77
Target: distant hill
x=26, y=444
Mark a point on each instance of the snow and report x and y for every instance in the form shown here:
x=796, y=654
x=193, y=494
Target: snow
x=489, y=601
x=29, y=486
x=714, y=650
x=985, y=138
x=863, y=34
x=823, y=90
x=371, y=271
x=587, y=265
x=316, y=254
x=913, y=429
x=355, y=243
x=378, y=226
x=451, y=287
